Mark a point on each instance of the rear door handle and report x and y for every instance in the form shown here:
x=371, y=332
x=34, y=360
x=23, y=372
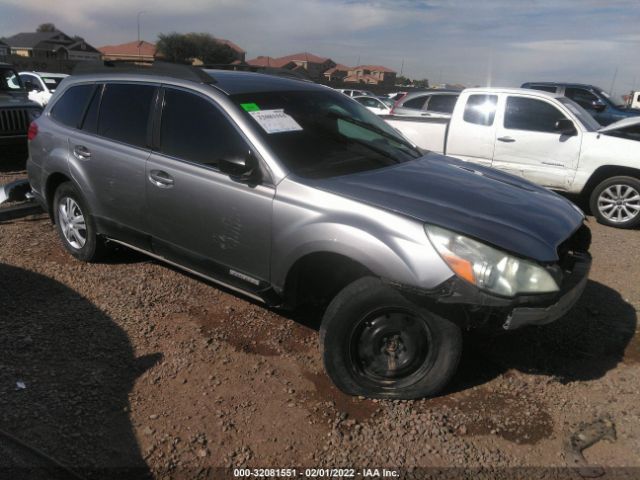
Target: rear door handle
x=160, y=179
x=507, y=139
x=81, y=152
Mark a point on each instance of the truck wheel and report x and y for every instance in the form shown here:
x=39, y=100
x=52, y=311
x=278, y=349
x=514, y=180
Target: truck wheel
x=75, y=225
x=616, y=202
x=376, y=343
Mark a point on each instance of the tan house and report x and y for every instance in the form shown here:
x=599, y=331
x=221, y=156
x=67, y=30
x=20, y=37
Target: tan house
x=132, y=51
x=312, y=65
x=371, y=75
x=337, y=73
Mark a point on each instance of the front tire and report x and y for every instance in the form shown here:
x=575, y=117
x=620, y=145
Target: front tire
x=616, y=202
x=378, y=344
x=75, y=225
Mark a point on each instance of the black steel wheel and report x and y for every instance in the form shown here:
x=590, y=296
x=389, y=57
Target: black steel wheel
x=376, y=343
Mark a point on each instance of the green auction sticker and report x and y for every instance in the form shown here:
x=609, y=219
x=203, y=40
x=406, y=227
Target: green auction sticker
x=250, y=107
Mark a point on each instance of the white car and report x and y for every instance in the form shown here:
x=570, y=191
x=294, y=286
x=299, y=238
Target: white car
x=41, y=85
x=373, y=104
x=355, y=93
x=545, y=138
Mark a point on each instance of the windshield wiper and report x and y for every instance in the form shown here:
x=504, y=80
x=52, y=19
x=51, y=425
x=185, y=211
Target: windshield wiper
x=373, y=128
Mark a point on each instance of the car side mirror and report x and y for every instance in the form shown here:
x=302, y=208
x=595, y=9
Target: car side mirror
x=241, y=168
x=598, y=105
x=565, y=127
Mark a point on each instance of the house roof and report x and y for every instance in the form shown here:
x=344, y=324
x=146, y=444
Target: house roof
x=266, y=61
x=130, y=49
x=374, y=68
x=304, y=57
x=31, y=39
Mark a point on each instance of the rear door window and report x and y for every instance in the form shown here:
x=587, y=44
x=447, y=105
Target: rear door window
x=442, y=103
x=125, y=111
x=480, y=109
x=416, y=103
x=531, y=114
x=70, y=108
x=194, y=129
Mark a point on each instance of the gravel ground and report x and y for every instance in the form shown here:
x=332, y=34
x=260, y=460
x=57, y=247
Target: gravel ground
x=132, y=365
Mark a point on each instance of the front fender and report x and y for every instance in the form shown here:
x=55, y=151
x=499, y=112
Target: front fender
x=392, y=246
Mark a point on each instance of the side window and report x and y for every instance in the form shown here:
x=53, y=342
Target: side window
x=194, y=129
x=417, y=102
x=442, y=103
x=531, y=114
x=34, y=83
x=70, y=108
x=124, y=113
x=582, y=97
x=480, y=109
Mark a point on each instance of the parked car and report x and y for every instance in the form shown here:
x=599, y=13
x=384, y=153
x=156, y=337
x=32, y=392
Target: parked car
x=41, y=85
x=593, y=99
x=426, y=104
x=16, y=110
x=545, y=138
x=292, y=194
x=373, y=104
x=634, y=100
x=354, y=93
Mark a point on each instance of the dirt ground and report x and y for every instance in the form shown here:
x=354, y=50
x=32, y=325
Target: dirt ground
x=133, y=365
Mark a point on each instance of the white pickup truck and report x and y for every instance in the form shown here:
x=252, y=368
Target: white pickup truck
x=545, y=138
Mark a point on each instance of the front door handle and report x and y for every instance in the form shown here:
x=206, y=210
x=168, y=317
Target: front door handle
x=507, y=139
x=160, y=179
x=81, y=152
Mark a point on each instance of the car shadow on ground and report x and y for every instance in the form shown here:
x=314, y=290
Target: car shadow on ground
x=65, y=376
x=584, y=345
x=12, y=159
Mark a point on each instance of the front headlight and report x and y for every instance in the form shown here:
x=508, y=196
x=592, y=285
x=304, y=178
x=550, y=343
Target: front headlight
x=489, y=268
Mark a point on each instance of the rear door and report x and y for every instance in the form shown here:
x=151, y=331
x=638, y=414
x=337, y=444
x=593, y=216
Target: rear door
x=528, y=144
x=109, y=153
x=200, y=217
x=471, y=134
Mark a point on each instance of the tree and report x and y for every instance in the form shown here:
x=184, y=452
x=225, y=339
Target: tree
x=183, y=48
x=46, y=27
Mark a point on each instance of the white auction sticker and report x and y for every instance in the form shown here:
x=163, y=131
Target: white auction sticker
x=275, y=121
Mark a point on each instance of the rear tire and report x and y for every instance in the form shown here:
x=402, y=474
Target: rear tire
x=75, y=224
x=378, y=344
x=616, y=202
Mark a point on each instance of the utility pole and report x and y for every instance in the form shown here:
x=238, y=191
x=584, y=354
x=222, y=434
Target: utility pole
x=402, y=67
x=138, y=21
x=613, y=81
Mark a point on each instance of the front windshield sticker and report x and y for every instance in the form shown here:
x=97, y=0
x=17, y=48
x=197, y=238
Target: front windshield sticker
x=250, y=107
x=275, y=121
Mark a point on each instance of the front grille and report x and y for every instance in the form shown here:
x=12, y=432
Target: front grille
x=14, y=121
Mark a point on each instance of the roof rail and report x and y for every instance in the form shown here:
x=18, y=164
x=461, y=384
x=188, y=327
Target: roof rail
x=137, y=67
x=278, y=72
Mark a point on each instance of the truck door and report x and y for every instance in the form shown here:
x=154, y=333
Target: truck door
x=471, y=133
x=528, y=143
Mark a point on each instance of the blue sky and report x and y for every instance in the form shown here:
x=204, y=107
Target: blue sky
x=498, y=42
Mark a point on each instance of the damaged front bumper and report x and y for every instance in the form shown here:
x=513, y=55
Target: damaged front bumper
x=484, y=309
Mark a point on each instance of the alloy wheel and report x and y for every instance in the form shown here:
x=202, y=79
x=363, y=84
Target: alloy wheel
x=72, y=222
x=619, y=203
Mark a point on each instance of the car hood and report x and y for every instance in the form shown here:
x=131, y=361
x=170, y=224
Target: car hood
x=620, y=124
x=494, y=207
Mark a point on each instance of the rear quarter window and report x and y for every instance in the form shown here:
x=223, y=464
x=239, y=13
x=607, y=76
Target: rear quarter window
x=480, y=109
x=416, y=103
x=70, y=108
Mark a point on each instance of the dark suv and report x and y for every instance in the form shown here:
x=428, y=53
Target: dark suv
x=292, y=193
x=593, y=99
x=16, y=110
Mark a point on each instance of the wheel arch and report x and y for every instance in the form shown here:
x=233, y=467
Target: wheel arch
x=54, y=180
x=608, y=171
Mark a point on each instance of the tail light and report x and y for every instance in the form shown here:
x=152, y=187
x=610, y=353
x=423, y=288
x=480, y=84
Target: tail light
x=33, y=130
